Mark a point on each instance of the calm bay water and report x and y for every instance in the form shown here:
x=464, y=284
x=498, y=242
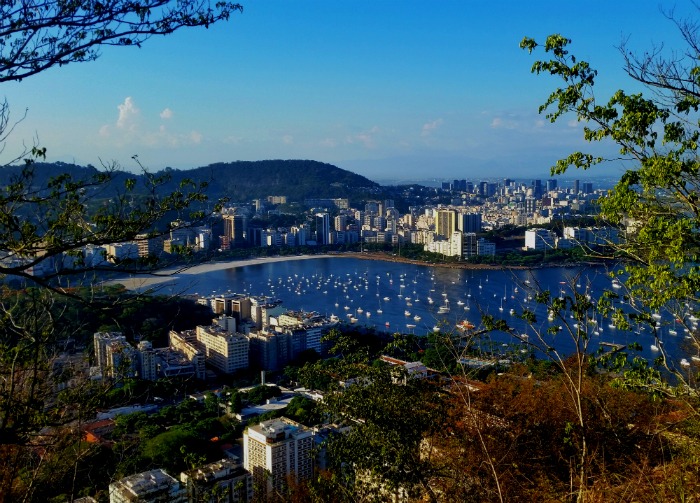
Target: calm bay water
x=397, y=297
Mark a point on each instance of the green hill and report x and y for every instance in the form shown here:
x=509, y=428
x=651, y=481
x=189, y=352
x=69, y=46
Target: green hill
x=239, y=181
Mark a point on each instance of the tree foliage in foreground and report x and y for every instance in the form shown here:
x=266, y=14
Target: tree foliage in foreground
x=36, y=35
x=658, y=197
x=49, y=224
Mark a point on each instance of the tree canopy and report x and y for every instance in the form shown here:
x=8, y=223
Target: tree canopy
x=49, y=221
x=36, y=35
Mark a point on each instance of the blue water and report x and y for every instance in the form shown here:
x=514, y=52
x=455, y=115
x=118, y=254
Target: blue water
x=359, y=288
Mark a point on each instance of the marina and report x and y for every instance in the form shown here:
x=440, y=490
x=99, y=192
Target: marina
x=420, y=300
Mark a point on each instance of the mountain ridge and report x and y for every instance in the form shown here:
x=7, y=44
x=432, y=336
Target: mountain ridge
x=238, y=180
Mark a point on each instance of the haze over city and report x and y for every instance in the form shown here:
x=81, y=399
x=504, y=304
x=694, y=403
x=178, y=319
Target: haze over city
x=388, y=90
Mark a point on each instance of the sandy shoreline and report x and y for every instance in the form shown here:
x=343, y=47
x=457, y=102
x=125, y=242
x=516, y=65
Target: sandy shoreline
x=162, y=278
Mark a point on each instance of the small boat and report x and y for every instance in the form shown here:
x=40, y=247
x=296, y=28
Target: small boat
x=465, y=325
x=685, y=363
x=417, y=318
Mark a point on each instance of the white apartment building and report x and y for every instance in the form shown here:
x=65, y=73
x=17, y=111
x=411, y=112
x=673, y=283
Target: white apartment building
x=224, y=351
x=186, y=344
x=280, y=448
x=226, y=478
x=539, y=239
x=147, y=487
x=100, y=342
x=147, y=361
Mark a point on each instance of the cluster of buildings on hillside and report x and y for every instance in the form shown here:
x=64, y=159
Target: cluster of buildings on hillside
x=249, y=331
x=274, y=452
x=450, y=228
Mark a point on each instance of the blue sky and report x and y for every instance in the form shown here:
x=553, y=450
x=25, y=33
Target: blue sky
x=387, y=89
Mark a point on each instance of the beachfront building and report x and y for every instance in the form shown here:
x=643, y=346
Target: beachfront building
x=540, y=239
x=446, y=223
x=234, y=229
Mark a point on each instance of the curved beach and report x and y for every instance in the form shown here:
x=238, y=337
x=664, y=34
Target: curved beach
x=161, y=278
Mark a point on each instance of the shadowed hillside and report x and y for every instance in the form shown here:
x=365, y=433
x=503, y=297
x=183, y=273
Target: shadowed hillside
x=239, y=181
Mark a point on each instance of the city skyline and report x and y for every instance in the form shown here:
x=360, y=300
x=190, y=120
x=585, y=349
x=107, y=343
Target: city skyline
x=383, y=89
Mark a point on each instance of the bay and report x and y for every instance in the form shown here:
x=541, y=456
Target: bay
x=419, y=299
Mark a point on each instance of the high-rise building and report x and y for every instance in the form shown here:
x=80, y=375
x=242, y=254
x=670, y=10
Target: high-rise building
x=323, y=228
x=445, y=223
x=537, y=188
x=122, y=360
x=339, y=222
x=234, y=228
x=539, y=239
x=372, y=207
x=576, y=186
x=551, y=184
x=154, y=486
x=147, y=361
x=587, y=188
x=149, y=246
x=276, y=449
x=185, y=344
x=469, y=222
x=100, y=342
x=224, y=351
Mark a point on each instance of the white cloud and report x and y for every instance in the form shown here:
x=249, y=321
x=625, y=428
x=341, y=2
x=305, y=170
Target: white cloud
x=131, y=129
x=196, y=137
x=329, y=143
x=367, y=138
x=129, y=115
x=431, y=126
x=501, y=123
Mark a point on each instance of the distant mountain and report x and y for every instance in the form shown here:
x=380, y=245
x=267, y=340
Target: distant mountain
x=296, y=179
x=239, y=181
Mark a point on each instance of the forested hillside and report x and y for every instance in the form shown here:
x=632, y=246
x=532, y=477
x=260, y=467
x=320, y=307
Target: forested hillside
x=238, y=181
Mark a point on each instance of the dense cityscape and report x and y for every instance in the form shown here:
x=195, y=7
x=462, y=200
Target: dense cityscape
x=251, y=334
x=193, y=309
